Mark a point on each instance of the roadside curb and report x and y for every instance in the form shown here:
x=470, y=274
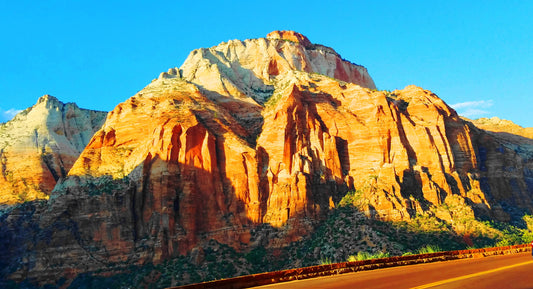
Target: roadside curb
x=347, y=267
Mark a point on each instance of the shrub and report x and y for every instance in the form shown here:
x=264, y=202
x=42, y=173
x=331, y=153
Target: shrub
x=352, y=198
x=429, y=249
x=367, y=256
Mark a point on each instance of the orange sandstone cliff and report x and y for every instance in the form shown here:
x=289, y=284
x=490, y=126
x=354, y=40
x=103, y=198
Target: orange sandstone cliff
x=263, y=132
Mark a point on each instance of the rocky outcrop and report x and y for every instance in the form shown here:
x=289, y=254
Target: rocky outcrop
x=40, y=145
x=505, y=162
x=253, y=137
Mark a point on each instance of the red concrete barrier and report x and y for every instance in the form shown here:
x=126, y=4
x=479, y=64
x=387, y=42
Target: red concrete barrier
x=346, y=267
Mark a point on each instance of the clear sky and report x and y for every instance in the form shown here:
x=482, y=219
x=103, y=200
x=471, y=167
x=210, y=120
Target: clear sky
x=476, y=55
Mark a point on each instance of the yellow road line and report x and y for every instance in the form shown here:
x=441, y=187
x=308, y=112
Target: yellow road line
x=469, y=276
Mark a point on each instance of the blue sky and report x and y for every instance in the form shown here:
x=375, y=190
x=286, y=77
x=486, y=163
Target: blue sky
x=476, y=55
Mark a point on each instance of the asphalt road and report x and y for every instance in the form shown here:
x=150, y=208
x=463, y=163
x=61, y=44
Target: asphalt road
x=507, y=271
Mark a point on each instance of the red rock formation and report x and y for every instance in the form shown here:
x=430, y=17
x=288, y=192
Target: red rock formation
x=257, y=132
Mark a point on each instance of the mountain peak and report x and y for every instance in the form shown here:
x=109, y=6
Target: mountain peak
x=47, y=98
x=247, y=69
x=290, y=36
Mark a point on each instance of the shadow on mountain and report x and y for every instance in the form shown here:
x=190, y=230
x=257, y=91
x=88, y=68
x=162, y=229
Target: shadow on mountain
x=505, y=163
x=159, y=211
x=157, y=227
x=514, y=138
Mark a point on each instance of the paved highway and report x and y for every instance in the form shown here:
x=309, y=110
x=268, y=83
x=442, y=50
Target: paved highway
x=507, y=271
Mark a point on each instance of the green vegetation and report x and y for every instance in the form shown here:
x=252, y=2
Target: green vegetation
x=107, y=185
x=325, y=261
x=276, y=96
x=273, y=100
x=429, y=249
x=279, y=88
x=220, y=262
x=256, y=255
x=367, y=256
x=288, y=40
x=509, y=234
x=347, y=231
x=353, y=198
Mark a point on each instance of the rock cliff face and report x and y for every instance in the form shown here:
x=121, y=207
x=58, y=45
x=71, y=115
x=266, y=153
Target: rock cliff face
x=505, y=163
x=270, y=132
x=40, y=145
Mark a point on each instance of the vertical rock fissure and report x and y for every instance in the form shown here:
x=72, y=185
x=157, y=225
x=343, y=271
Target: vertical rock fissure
x=3, y=162
x=47, y=159
x=134, y=213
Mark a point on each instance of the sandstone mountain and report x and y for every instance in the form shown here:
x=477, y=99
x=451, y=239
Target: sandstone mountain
x=251, y=144
x=40, y=145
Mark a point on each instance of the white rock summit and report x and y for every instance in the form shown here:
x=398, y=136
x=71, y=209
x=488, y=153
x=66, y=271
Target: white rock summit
x=40, y=144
